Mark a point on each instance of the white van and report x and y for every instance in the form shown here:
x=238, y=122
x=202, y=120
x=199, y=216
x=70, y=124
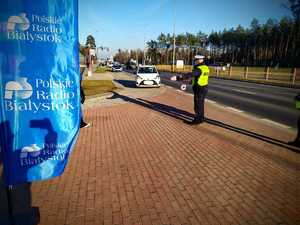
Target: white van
x=147, y=76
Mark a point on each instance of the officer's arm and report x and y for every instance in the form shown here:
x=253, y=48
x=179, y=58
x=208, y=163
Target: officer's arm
x=196, y=72
x=187, y=76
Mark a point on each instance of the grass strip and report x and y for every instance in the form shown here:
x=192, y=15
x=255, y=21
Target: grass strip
x=97, y=87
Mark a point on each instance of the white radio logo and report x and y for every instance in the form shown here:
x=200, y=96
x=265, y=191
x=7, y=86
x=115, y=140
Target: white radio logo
x=19, y=22
x=40, y=95
x=20, y=89
x=33, y=150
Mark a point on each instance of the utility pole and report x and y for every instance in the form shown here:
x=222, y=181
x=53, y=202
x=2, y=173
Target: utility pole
x=89, y=60
x=144, y=51
x=174, y=41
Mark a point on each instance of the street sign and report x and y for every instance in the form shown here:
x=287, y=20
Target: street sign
x=179, y=64
x=183, y=87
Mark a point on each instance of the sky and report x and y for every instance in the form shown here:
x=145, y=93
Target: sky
x=129, y=24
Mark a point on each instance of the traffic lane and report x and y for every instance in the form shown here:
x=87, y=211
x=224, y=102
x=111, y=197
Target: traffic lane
x=249, y=86
x=260, y=88
x=264, y=93
x=265, y=88
x=259, y=96
x=277, y=113
x=274, y=112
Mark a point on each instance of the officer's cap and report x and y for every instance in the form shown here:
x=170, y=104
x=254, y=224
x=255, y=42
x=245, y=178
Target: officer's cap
x=199, y=57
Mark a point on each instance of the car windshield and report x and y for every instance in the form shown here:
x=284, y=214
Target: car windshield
x=147, y=70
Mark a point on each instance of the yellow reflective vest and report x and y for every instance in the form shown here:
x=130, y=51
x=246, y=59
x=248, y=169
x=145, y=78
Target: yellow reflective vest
x=203, y=79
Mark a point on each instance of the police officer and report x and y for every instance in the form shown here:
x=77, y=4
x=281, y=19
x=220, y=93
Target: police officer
x=200, y=75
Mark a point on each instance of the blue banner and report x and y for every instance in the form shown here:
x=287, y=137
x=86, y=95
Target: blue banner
x=39, y=95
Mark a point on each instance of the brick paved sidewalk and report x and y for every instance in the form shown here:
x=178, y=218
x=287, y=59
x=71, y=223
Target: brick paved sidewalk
x=141, y=164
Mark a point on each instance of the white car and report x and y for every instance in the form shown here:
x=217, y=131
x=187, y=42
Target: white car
x=147, y=76
x=117, y=68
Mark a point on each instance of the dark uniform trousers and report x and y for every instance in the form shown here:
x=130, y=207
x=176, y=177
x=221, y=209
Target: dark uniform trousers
x=199, y=97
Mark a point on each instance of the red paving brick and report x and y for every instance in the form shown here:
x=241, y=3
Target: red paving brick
x=136, y=165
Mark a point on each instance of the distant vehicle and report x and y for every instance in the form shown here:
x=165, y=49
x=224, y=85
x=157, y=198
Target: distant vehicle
x=117, y=68
x=109, y=64
x=131, y=65
x=147, y=76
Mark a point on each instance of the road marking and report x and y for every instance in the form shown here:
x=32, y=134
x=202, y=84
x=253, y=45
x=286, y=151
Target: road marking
x=246, y=92
x=276, y=123
x=210, y=101
x=234, y=109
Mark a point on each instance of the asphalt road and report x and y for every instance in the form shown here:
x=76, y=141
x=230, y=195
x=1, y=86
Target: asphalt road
x=264, y=101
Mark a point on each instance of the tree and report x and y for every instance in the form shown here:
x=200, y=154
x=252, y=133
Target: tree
x=294, y=7
x=152, y=51
x=90, y=41
x=269, y=44
x=162, y=38
x=122, y=56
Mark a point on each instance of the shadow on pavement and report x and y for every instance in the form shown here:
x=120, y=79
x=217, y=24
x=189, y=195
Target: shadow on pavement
x=252, y=134
x=126, y=83
x=168, y=110
x=130, y=84
x=186, y=116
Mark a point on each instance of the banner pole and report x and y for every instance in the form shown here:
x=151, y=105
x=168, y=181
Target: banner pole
x=10, y=207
